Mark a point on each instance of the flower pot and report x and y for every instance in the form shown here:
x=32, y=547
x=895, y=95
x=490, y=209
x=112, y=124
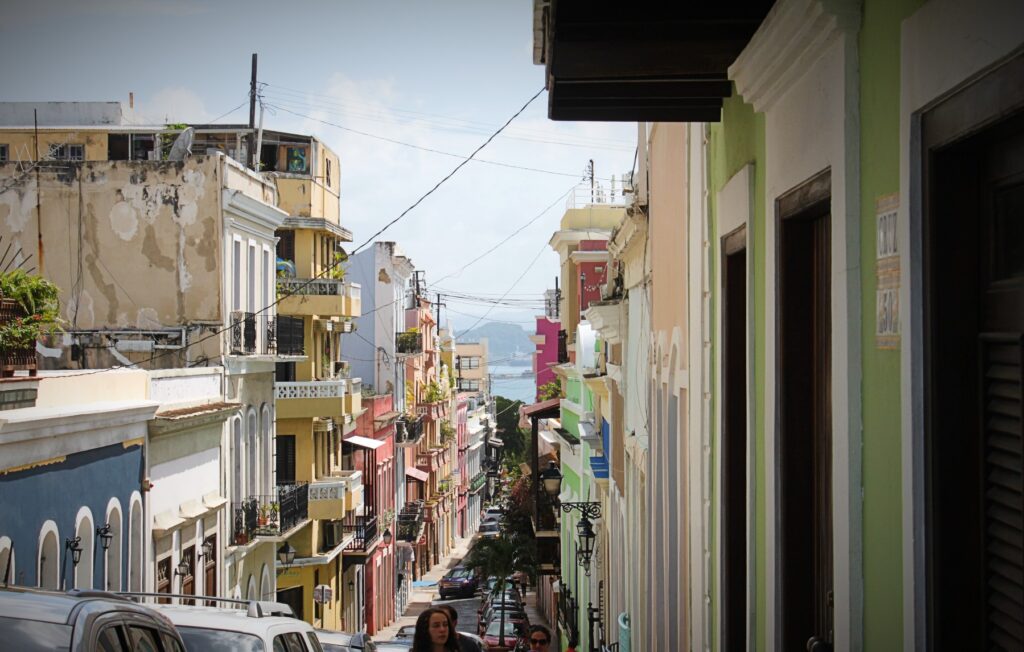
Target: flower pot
x=11, y=361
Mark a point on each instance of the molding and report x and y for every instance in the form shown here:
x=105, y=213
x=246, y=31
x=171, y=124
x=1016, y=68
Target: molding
x=628, y=235
x=265, y=218
x=30, y=423
x=318, y=224
x=608, y=319
x=561, y=240
x=792, y=36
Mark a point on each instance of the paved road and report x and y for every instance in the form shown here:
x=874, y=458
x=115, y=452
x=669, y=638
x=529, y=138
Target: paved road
x=466, y=608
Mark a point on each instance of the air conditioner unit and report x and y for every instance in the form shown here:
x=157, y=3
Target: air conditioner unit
x=334, y=533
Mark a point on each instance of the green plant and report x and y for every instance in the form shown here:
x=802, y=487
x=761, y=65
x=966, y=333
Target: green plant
x=336, y=270
x=550, y=390
x=39, y=299
x=447, y=432
x=434, y=393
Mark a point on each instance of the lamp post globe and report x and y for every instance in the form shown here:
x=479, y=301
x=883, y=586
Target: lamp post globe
x=286, y=554
x=552, y=479
x=105, y=536
x=387, y=537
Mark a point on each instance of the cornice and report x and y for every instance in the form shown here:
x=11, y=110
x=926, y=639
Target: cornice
x=258, y=213
x=792, y=36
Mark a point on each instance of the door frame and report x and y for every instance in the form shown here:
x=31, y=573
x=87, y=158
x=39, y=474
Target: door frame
x=735, y=213
x=933, y=74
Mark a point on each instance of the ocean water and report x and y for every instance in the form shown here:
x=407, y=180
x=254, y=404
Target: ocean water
x=517, y=388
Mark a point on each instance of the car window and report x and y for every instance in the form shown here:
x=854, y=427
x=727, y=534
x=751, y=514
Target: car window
x=198, y=639
x=171, y=644
x=111, y=639
x=291, y=641
x=19, y=634
x=143, y=639
x=314, y=642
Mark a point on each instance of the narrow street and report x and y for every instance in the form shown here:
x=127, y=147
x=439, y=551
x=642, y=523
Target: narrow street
x=424, y=594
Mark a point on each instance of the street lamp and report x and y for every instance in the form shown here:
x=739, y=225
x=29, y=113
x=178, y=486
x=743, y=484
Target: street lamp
x=587, y=536
x=74, y=544
x=286, y=554
x=105, y=536
x=182, y=569
x=387, y=536
x=552, y=479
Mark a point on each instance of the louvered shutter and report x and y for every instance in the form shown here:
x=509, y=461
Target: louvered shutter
x=1003, y=493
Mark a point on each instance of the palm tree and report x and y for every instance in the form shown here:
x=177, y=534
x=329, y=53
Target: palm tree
x=501, y=557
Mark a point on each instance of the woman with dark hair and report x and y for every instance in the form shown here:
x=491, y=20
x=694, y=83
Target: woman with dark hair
x=434, y=632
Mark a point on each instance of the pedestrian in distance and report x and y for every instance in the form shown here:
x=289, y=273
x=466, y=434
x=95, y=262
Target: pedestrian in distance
x=539, y=638
x=467, y=642
x=434, y=632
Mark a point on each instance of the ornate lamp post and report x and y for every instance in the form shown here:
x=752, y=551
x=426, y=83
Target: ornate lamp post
x=551, y=477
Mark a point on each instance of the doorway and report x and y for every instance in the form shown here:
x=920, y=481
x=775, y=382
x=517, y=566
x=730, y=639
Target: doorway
x=734, y=440
x=804, y=368
x=293, y=598
x=973, y=233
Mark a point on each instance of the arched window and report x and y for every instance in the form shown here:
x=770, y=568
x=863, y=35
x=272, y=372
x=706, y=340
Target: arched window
x=48, y=563
x=85, y=532
x=267, y=448
x=237, y=454
x=252, y=452
x=112, y=558
x=135, y=544
x=250, y=592
x=7, y=569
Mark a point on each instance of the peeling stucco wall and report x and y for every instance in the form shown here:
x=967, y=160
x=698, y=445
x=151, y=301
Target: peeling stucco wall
x=131, y=244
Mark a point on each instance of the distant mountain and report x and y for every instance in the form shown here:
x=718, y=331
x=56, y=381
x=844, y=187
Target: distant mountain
x=504, y=341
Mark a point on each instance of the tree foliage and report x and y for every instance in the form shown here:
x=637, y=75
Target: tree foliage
x=516, y=439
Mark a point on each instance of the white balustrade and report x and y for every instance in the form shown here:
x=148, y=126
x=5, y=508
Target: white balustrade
x=310, y=389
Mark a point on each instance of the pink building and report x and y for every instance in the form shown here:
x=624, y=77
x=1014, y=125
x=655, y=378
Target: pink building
x=462, y=438
x=546, y=355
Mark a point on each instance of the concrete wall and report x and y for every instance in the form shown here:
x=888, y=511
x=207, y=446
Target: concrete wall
x=130, y=244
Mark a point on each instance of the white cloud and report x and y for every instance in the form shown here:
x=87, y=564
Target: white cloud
x=171, y=104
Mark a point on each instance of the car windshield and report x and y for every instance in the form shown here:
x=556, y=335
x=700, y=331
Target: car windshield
x=199, y=639
x=495, y=627
x=19, y=634
x=461, y=574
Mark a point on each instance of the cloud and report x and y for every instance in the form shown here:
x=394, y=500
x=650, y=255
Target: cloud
x=167, y=105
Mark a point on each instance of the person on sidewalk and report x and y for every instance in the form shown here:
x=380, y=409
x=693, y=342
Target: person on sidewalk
x=539, y=638
x=467, y=642
x=434, y=633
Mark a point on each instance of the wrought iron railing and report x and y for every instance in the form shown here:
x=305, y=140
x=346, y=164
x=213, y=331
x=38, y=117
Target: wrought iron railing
x=408, y=429
x=478, y=481
x=260, y=334
x=568, y=616
x=270, y=515
x=410, y=521
x=409, y=342
x=365, y=531
x=243, y=333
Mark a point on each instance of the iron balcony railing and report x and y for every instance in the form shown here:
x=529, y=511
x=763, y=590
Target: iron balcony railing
x=410, y=521
x=478, y=482
x=259, y=334
x=270, y=515
x=365, y=531
x=408, y=429
x=409, y=343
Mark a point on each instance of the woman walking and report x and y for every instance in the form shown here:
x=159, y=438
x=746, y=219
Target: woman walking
x=434, y=633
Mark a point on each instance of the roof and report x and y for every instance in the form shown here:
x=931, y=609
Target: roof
x=184, y=413
x=543, y=410
x=364, y=442
x=61, y=608
x=236, y=620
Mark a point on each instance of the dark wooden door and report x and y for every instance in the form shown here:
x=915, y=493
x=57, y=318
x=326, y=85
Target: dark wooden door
x=188, y=581
x=292, y=598
x=974, y=325
x=734, y=440
x=805, y=415
x=210, y=568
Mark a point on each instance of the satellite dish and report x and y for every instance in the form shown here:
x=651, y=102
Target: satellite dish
x=182, y=146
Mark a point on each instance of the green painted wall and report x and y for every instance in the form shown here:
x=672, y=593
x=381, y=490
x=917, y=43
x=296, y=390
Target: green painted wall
x=882, y=467
x=734, y=142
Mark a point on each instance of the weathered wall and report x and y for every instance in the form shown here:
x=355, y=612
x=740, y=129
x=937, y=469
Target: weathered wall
x=130, y=244
x=22, y=143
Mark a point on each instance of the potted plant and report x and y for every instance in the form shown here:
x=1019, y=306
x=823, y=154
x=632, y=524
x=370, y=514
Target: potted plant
x=29, y=309
x=264, y=515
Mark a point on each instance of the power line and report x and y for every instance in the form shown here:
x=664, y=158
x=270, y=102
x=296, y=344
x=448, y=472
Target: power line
x=450, y=174
x=420, y=147
x=512, y=287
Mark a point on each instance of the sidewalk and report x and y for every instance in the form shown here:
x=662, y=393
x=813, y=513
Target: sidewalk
x=424, y=590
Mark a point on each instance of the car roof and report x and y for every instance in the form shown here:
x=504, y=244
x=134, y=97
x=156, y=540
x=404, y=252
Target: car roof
x=235, y=620
x=56, y=607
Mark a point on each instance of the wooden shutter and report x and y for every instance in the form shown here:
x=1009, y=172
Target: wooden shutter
x=285, y=459
x=1003, y=494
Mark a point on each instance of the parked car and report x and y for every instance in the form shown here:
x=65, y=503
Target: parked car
x=32, y=620
x=492, y=613
x=513, y=633
x=251, y=629
x=493, y=512
x=458, y=581
x=395, y=645
x=489, y=530
x=345, y=642
x=406, y=631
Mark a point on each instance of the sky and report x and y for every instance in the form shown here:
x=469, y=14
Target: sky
x=442, y=75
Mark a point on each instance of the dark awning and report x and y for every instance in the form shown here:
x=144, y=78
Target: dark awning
x=548, y=409
x=650, y=62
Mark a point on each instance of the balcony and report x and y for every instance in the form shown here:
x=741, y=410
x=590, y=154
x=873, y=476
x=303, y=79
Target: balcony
x=432, y=411
x=353, y=395
x=261, y=334
x=313, y=398
x=364, y=530
x=353, y=300
x=308, y=297
x=408, y=343
x=478, y=482
x=334, y=497
x=410, y=522
x=270, y=516
x=408, y=430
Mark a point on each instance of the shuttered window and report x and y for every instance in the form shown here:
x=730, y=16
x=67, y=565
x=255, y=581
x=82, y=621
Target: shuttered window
x=285, y=459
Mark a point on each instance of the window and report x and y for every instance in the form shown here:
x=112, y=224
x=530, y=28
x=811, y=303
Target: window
x=285, y=459
x=236, y=279
x=469, y=362
x=66, y=153
x=198, y=638
x=144, y=639
x=296, y=159
x=250, y=293
x=328, y=172
x=4, y=153
x=110, y=640
x=290, y=642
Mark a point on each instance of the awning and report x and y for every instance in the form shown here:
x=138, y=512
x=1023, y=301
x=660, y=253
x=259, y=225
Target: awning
x=542, y=410
x=416, y=474
x=549, y=437
x=364, y=442
x=165, y=521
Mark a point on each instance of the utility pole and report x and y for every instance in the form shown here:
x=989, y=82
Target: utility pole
x=39, y=200
x=439, y=304
x=590, y=168
x=250, y=139
x=558, y=300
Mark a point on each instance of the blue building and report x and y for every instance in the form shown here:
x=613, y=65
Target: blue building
x=71, y=484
